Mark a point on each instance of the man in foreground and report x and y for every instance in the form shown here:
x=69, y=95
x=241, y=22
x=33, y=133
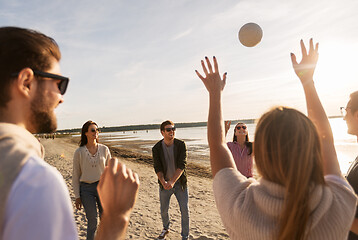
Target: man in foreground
x=350, y=115
x=34, y=200
x=169, y=156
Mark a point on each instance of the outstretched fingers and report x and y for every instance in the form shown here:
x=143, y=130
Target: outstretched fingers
x=113, y=165
x=303, y=49
x=209, y=65
x=216, y=66
x=199, y=75
x=204, y=68
x=313, y=49
x=316, y=49
x=293, y=60
x=212, y=80
x=224, y=80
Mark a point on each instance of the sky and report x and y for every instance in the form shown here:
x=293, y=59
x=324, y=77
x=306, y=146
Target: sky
x=133, y=62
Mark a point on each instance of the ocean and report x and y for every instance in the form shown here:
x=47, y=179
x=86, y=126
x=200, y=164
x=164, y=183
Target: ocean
x=195, y=138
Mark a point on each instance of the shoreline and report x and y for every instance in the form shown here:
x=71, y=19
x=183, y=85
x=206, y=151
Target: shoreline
x=198, y=165
x=145, y=221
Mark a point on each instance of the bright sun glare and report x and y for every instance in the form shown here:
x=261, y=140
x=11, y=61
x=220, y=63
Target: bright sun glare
x=336, y=67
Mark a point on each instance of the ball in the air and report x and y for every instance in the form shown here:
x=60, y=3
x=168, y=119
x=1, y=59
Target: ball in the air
x=250, y=34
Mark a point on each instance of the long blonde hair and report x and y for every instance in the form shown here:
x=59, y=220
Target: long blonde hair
x=288, y=152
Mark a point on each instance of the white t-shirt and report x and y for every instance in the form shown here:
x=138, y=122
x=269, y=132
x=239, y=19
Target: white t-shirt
x=39, y=205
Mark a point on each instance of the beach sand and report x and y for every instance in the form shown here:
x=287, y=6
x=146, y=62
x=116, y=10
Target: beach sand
x=145, y=221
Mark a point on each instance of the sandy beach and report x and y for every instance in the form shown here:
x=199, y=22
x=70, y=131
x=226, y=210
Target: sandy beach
x=145, y=222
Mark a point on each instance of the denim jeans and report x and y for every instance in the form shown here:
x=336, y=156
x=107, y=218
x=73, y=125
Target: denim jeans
x=183, y=198
x=90, y=201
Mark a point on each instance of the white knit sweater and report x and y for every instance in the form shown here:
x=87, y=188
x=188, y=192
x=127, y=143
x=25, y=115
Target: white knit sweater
x=250, y=209
x=88, y=168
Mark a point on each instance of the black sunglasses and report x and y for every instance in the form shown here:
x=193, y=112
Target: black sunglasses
x=344, y=110
x=62, y=85
x=170, y=129
x=239, y=127
x=94, y=130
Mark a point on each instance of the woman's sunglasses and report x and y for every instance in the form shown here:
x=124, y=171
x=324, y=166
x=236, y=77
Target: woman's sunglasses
x=239, y=127
x=94, y=130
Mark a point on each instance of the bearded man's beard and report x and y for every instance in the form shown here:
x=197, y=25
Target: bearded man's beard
x=42, y=118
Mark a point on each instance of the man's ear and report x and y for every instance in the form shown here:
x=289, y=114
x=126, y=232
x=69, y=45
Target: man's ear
x=25, y=81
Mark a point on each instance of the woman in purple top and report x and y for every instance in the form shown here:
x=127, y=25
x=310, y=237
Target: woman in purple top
x=241, y=148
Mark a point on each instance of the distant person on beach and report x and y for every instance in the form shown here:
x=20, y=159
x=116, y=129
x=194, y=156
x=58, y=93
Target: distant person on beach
x=350, y=115
x=241, y=148
x=302, y=194
x=89, y=161
x=169, y=156
x=34, y=200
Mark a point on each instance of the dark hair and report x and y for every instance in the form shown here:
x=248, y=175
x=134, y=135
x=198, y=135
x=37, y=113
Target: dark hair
x=165, y=123
x=85, y=127
x=354, y=101
x=247, y=142
x=21, y=48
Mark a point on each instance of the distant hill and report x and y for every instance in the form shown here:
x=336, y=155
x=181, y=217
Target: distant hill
x=157, y=126
x=150, y=126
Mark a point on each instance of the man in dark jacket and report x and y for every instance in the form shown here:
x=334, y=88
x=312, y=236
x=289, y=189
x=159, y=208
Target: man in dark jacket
x=350, y=115
x=169, y=156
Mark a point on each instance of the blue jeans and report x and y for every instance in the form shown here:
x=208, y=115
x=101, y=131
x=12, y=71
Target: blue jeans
x=183, y=198
x=90, y=201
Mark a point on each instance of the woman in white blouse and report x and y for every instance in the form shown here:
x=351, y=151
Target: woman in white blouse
x=89, y=162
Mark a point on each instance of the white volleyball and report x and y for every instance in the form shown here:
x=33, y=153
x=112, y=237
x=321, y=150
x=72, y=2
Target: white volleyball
x=250, y=34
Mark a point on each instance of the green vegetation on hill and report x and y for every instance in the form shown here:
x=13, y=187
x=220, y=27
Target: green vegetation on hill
x=151, y=126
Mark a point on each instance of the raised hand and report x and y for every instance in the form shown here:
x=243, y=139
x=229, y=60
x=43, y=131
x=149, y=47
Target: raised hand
x=212, y=79
x=220, y=155
x=117, y=189
x=227, y=126
x=305, y=69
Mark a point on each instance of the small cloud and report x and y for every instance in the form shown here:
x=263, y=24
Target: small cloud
x=182, y=34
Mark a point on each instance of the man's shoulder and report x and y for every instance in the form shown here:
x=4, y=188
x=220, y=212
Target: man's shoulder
x=37, y=170
x=40, y=192
x=38, y=178
x=158, y=144
x=178, y=141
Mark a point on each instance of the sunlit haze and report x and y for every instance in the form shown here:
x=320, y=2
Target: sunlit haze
x=133, y=62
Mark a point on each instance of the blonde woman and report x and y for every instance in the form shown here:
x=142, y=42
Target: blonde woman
x=89, y=162
x=302, y=194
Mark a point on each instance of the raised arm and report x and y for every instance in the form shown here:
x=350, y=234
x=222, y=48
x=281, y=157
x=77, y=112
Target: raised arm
x=220, y=156
x=305, y=70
